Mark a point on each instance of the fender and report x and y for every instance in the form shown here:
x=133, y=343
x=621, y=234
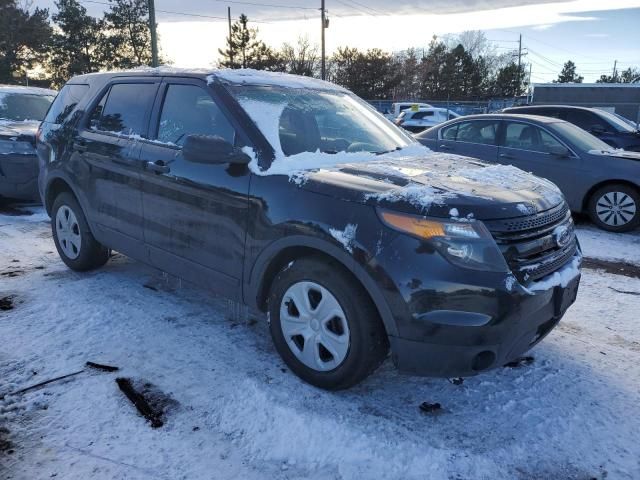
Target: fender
x=252, y=287
x=82, y=199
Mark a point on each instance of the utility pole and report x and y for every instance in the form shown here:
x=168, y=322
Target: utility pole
x=323, y=70
x=230, y=46
x=518, y=80
x=154, y=34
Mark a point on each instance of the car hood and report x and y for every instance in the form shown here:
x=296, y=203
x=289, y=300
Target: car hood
x=435, y=184
x=25, y=130
x=619, y=153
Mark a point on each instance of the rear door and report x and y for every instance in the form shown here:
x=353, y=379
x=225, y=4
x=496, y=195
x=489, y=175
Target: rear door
x=472, y=138
x=195, y=214
x=110, y=144
x=528, y=146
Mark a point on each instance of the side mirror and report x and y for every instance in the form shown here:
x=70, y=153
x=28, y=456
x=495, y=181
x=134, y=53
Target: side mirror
x=559, y=151
x=212, y=150
x=598, y=129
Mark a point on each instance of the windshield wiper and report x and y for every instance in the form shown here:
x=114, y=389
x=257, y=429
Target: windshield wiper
x=388, y=151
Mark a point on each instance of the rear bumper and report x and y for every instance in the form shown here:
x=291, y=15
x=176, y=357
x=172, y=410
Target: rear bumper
x=19, y=177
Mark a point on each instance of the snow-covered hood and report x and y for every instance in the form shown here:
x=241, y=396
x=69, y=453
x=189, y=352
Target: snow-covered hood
x=439, y=185
x=24, y=130
x=618, y=153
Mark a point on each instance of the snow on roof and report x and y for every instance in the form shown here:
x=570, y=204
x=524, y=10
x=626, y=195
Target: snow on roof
x=18, y=89
x=249, y=76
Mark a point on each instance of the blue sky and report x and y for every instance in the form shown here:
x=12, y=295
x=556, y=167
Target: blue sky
x=592, y=33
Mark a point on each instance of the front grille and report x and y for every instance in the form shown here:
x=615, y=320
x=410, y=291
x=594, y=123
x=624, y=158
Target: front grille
x=530, y=244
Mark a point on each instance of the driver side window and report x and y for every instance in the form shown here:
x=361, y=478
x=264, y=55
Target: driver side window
x=190, y=110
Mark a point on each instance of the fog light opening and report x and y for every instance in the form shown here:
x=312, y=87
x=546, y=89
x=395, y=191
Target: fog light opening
x=483, y=360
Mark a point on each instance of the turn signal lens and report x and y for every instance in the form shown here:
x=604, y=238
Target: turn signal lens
x=419, y=227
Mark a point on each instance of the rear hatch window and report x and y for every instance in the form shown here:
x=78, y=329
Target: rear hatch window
x=65, y=102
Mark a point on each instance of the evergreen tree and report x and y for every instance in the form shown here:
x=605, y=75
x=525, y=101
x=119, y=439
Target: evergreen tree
x=245, y=50
x=568, y=74
x=510, y=81
x=631, y=74
x=76, y=44
x=127, y=41
x=24, y=39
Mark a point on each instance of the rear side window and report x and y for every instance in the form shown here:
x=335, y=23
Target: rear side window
x=124, y=109
x=419, y=115
x=65, y=102
x=481, y=131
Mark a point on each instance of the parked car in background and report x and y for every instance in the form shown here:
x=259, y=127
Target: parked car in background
x=423, y=118
x=399, y=107
x=596, y=179
x=21, y=110
x=608, y=127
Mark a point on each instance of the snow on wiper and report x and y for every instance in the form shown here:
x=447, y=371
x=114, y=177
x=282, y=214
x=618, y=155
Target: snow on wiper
x=387, y=151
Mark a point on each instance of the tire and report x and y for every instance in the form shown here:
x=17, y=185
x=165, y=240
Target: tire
x=615, y=207
x=74, y=241
x=339, y=314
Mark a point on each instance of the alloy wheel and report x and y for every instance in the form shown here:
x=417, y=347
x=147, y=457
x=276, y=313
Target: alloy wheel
x=314, y=326
x=68, y=232
x=616, y=208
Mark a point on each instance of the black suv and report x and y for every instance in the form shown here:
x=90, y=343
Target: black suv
x=609, y=128
x=297, y=198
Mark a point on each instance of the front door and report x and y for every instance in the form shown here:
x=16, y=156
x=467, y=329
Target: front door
x=109, y=144
x=530, y=148
x=195, y=214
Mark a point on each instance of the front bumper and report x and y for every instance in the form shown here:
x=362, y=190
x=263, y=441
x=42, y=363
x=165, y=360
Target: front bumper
x=456, y=322
x=19, y=176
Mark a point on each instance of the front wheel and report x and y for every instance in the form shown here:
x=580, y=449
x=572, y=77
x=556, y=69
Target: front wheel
x=615, y=207
x=74, y=241
x=324, y=325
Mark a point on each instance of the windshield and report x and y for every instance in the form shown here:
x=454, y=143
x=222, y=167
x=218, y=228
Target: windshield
x=617, y=123
x=23, y=106
x=302, y=120
x=579, y=137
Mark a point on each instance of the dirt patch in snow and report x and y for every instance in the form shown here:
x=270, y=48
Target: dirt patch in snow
x=6, y=446
x=609, y=266
x=6, y=303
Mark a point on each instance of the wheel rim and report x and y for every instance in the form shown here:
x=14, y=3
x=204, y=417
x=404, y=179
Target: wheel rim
x=68, y=232
x=314, y=326
x=616, y=208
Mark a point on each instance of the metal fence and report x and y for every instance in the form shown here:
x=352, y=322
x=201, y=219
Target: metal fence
x=463, y=107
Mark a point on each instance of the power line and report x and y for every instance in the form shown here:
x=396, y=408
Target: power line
x=273, y=5
x=357, y=9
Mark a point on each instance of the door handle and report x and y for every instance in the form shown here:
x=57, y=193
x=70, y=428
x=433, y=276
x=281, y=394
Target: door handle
x=445, y=147
x=506, y=155
x=159, y=166
x=80, y=146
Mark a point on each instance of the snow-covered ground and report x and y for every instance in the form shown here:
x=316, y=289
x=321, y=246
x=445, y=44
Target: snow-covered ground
x=235, y=411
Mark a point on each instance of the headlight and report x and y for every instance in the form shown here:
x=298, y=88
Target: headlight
x=466, y=243
x=11, y=146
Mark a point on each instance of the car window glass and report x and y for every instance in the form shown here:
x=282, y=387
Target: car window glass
x=449, y=133
x=125, y=109
x=547, y=142
x=520, y=135
x=481, y=131
x=586, y=120
x=190, y=110
x=65, y=102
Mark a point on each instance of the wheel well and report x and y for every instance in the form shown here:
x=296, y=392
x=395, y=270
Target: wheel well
x=291, y=254
x=56, y=187
x=592, y=190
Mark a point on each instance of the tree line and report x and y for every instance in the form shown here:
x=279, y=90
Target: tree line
x=71, y=42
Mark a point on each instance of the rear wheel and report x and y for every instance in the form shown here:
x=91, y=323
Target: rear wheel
x=324, y=325
x=74, y=241
x=615, y=207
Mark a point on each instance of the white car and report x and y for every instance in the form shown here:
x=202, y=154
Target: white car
x=423, y=118
x=399, y=107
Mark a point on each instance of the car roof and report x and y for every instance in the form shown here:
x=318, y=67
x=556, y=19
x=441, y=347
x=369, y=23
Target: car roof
x=511, y=116
x=227, y=76
x=561, y=107
x=20, y=89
